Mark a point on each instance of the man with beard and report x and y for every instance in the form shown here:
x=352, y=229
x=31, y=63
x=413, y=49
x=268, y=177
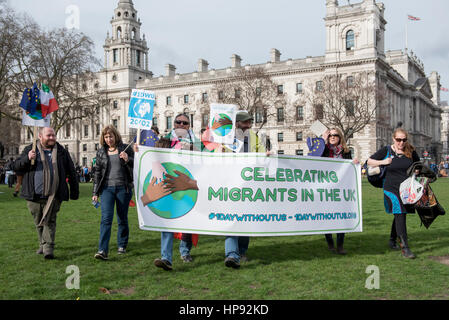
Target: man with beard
x=44, y=185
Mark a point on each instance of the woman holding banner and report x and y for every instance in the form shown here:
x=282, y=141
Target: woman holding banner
x=336, y=148
x=402, y=155
x=113, y=182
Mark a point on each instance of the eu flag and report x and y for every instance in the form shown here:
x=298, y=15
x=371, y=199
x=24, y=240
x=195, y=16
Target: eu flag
x=148, y=138
x=30, y=100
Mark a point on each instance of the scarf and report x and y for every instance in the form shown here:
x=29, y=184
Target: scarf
x=49, y=189
x=335, y=151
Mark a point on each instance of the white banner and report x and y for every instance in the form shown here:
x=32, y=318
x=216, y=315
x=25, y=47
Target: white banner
x=35, y=121
x=246, y=194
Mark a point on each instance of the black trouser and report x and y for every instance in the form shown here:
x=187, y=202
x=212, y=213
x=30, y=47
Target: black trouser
x=399, y=226
x=340, y=239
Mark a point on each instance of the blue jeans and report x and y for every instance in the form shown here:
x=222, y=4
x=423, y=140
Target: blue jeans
x=167, y=246
x=111, y=196
x=235, y=247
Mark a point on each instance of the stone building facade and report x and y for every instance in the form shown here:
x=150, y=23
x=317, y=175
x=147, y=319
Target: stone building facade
x=355, y=43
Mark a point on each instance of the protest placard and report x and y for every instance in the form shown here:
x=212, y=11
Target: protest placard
x=247, y=194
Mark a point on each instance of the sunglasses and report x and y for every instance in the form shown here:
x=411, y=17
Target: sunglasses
x=334, y=135
x=400, y=140
x=186, y=123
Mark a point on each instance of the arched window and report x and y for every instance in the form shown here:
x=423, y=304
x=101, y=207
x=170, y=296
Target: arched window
x=350, y=40
x=133, y=34
x=119, y=32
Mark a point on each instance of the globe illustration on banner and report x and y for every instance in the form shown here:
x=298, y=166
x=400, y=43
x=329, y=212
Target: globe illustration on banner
x=174, y=205
x=221, y=129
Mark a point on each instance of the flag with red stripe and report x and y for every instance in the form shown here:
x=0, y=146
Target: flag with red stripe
x=410, y=17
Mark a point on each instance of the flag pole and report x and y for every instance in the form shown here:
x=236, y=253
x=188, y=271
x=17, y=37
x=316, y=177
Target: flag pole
x=406, y=34
x=34, y=142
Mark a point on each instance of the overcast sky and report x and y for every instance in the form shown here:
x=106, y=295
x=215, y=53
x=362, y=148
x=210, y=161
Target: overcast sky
x=182, y=31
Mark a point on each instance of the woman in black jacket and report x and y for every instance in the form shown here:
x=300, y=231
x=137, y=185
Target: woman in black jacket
x=113, y=182
x=336, y=147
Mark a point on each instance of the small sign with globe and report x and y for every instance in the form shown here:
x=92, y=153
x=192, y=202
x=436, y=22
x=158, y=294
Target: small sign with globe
x=140, y=112
x=222, y=122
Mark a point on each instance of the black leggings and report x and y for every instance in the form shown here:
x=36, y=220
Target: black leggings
x=399, y=226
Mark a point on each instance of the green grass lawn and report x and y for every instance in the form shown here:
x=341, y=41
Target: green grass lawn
x=296, y=267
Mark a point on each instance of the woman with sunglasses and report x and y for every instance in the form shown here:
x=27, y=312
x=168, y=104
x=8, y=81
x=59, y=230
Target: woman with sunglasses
x=402, y=156
x=337, y=148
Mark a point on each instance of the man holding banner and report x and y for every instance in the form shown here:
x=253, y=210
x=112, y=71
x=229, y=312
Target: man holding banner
x=236, y=247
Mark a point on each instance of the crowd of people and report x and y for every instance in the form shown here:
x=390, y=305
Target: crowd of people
x=47, y=171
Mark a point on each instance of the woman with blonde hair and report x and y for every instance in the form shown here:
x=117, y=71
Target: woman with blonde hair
x=113, y=182
x=337, y=148
x=398, y=158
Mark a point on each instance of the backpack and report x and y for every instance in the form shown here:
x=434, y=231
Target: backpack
x=377, y=180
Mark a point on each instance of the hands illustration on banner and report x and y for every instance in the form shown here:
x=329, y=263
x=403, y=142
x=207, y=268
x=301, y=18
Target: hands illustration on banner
x=167, y=186
x=154, y=192
x=180, y=183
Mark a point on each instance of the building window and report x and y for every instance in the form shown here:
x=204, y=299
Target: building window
x=299, y=88
x=319, y=86
x=220, y=95
x=280, y=151
x=97, y=129
x=115, y=123
x=299, y=152
x=155, y=121
x=168, y=100
x=86, y=131
x=115, y=104
x=169, y=123
x=280, y=137
x=84, y=161
x=204, y=120
x=280, y=114
x=319, y=112
x=350, y=108
x=299, y=136
x=237, y=93
x=204, y=97
x=186, y=98
x=350, y=40
x=350, y=81
x=115, y=55
x=258, y=91
x=259, y=115
x=84, y=147
x=67, y=130
x=299, y=113
x=137, y=57
x=280, y=89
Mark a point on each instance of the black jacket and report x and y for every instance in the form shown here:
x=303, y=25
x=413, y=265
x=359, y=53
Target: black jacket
x=66, y=169
x=102, y=164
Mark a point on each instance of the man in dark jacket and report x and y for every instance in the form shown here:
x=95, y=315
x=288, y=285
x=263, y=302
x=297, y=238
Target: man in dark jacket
x=44, y=185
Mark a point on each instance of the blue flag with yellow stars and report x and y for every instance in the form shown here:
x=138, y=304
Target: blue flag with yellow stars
x=316, y=146
x=30, y=100
x=148, y=138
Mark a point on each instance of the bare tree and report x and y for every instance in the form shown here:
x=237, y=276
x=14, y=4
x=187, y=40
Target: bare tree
x=63, y=59
x=251, y=89
x=348, y=103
